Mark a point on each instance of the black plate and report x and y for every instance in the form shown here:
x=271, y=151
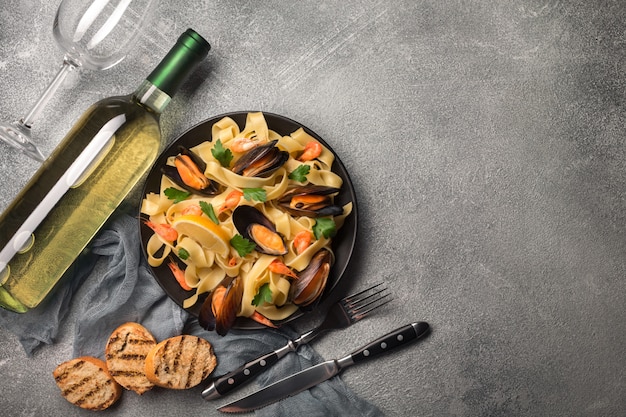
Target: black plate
x=343, y=243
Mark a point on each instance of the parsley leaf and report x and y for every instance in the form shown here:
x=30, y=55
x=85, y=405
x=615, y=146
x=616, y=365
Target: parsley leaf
x=258, y=194
x=222, y=154
x=207, y=209
x=176, y=194
x=183, y=254
x=242, y=245
x=324, y=226
x=264, y=295
x=299, y=174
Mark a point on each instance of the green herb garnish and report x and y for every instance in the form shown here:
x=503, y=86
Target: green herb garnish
x=242, y=245
x=183, y=254
x=176, y=194
x=222, y=154
x=263, y=296
x=324, y=226
x=258, y=194
x=207, y=209
x=299, y=174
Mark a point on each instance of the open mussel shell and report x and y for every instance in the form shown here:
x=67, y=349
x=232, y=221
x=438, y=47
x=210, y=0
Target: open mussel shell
x=311, y=283
x=195, y=158
x=194, y=166
x=261, y=161
x=311, y=201
x=254, y=226
x=219, y=310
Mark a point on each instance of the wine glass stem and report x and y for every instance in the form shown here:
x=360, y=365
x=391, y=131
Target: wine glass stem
x=68, y=66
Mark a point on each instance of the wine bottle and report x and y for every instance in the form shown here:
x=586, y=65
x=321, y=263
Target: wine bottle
x=83, y=181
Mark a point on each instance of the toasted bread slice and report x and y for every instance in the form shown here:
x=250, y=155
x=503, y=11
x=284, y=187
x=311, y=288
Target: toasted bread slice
x=86, y=382
x=180, y=362
x=126, y=352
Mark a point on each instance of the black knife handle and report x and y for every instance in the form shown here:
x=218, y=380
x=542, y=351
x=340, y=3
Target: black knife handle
x=397, y=338
x=228, y=382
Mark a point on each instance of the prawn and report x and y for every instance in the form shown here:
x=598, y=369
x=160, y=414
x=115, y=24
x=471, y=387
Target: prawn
x=259, y=318
x=311, y=151
x=231, y=201
x=167, y=232
x=280, y=268
x=179, y=274
x=194, y=210
x=244, y=144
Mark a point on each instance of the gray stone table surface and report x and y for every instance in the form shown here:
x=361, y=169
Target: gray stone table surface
x=485, y=140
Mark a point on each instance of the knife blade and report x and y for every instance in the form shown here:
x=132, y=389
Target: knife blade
x=308, y=378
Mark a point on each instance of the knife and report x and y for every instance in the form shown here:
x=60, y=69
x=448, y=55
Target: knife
x=314, y=375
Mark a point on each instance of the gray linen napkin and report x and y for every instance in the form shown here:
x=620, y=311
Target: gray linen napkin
x=126, y=292
x=41, y=325
x=123, y=289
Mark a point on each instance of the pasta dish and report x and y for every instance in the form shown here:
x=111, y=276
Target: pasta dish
x=247, y=217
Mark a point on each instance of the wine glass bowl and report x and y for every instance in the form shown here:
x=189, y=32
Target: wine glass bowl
x=95, y=34
x=98, y=34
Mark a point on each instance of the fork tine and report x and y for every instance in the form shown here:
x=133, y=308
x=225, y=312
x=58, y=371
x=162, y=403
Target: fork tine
x=366, y=299
x=356, y=297
x=361, y=304
x=362, y=311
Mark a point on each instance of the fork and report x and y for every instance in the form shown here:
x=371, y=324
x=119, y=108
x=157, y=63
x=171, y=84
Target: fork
x=342, y=314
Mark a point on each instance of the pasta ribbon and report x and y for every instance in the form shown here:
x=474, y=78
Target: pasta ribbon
x=205, y=269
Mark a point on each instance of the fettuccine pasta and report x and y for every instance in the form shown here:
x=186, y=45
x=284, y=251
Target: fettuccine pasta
x=198, y=230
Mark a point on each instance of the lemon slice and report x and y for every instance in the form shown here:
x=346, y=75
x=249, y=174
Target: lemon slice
x=204, y=231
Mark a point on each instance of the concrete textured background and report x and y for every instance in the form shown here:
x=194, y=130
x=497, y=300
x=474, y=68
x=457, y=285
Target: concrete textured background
x=485, y=143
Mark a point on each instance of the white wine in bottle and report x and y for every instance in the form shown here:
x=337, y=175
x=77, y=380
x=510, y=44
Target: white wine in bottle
x=88, y=175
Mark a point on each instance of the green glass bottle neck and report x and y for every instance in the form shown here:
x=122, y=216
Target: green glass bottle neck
x=190, y=49
x=163, y=82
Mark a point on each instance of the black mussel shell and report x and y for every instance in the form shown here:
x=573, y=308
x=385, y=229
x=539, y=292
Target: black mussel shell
x=172, y=173
x=311, y=283
x=320, y=205
x=246, y=218
x=206, y=318
x=261, y=161
x=229, y=308
x=195, y=158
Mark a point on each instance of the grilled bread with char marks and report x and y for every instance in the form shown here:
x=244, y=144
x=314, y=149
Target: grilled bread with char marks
x=180, y=362
x=125, y=354
x=86, y=382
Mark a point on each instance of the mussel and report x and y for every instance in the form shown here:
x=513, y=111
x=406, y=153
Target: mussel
x=188, y=173
x=254, y=226
x=219, y=310
x=306, y=290
x=311, y=201
x=261, y=161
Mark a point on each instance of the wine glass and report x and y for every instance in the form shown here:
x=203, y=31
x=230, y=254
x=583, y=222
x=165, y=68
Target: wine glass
x=95, y=34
